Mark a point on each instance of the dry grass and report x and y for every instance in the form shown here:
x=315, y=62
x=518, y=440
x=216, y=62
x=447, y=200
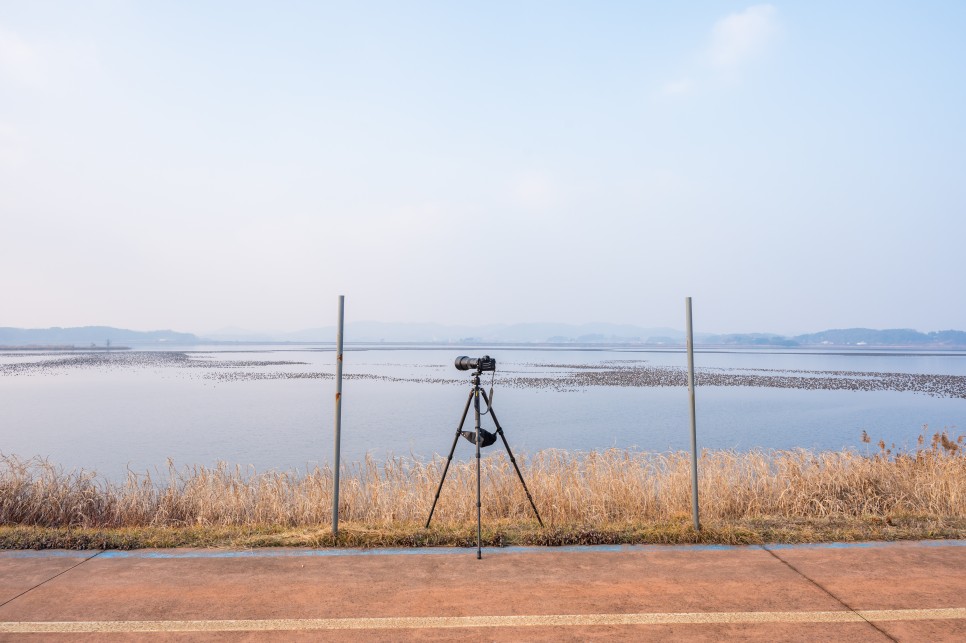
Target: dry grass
x=583, y=497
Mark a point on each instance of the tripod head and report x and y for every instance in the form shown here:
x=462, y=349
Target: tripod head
x=485, y=363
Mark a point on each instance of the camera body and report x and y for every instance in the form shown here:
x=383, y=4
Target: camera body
x=485, y=363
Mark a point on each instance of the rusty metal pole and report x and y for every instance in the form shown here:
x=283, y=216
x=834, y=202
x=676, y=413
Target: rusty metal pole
x=694, y=432
x=338, y=417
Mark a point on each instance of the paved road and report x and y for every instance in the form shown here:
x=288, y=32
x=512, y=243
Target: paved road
x=858, y=592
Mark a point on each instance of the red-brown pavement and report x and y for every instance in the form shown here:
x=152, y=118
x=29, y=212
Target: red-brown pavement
x=862, y=592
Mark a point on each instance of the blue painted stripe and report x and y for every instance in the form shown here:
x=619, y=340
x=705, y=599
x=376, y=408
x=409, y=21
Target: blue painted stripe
x=872, y=544
x=408, y=551
x=942, y=543
x=444, y=551
x=48, y=553
x=277, y=553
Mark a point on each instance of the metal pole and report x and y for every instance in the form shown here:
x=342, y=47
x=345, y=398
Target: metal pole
x=338, y=417
x=479, y=515
x=694, y=432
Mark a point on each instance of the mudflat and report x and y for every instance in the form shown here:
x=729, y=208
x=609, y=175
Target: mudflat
x=858, y=591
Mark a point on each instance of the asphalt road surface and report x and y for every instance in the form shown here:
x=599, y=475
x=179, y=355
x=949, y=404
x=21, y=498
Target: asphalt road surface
x=911, y=591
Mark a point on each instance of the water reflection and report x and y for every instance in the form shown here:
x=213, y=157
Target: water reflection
x=272, y=407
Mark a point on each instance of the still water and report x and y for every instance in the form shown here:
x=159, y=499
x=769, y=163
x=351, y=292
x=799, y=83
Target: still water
x=272, y=407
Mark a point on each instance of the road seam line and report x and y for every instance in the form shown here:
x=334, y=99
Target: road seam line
x=448, y=622
x=836, y=598
x=30, y=589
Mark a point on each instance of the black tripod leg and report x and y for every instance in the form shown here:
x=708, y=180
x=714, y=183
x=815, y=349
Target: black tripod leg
x=499, y=429
x=479, y=505
x=452, y=450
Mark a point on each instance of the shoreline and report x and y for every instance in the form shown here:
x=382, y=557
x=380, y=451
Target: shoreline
x=762, y=531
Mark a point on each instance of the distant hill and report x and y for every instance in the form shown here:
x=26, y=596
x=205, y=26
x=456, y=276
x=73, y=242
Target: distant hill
x=603, y=333
x=747, y=339
x=86, y=335
x=532, y=333
x=368, y=331
x=855, y=337
x=891, y=337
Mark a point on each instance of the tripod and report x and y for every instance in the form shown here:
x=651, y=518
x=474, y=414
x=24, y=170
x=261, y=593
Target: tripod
x=482, y=439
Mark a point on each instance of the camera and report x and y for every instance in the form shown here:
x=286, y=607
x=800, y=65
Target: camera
x=485, y=363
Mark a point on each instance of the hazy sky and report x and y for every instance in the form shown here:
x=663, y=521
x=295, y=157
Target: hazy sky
x=194, y=165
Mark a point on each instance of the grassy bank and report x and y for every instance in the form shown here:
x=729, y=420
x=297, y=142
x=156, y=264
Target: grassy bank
x=612, y=496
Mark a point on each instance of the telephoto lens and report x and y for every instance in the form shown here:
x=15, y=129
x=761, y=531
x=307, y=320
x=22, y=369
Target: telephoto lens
x=485, y=363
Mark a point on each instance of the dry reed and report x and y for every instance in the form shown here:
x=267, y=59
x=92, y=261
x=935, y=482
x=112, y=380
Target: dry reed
x=612, y=487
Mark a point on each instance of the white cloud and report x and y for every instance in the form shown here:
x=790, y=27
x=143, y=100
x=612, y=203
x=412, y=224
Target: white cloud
x=19, y=60
x=741, y=37
x=681, y=86
x=11, y=146
x=736, y=41
x=536, y=190
x=47, y=64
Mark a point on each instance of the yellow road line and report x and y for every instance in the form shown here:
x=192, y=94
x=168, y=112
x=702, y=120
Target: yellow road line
x=421, y=622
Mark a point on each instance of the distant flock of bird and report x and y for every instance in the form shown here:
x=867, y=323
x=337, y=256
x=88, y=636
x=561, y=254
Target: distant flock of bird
x=559, y=377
